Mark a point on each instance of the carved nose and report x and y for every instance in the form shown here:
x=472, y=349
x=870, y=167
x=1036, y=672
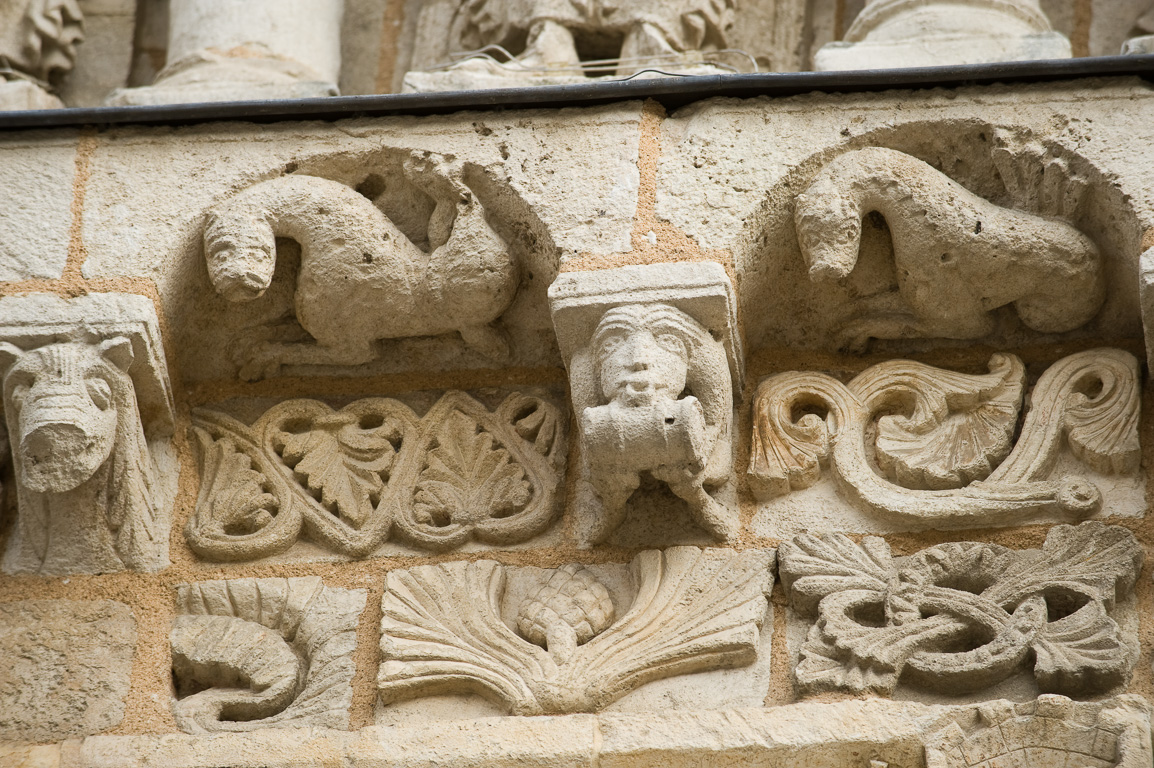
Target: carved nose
x=53, y=457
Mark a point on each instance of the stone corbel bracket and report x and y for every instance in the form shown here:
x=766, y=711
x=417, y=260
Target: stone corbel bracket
x=654, y=356
x=88, y=406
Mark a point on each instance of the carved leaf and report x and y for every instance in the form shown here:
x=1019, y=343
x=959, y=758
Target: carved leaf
x=959, y=427
x=468, y=477
x=441, y=632
x=341, y=465
x=1082, y=651
x=696, y=609
x=1092, y=559
x=812, y=567
x=243, y=510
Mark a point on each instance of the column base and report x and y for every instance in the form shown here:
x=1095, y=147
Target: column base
x=22, y=94
x=941, y=50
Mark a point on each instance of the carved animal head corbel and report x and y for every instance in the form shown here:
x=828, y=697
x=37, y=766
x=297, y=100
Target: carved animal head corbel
x=653, y=357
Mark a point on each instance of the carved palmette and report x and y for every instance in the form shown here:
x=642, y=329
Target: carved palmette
x=350, y=478
x=253, y=653
x=442, y=629
x=946, y=456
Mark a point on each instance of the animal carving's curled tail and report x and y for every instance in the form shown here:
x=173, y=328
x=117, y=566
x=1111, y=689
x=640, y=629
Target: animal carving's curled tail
x=957, y=255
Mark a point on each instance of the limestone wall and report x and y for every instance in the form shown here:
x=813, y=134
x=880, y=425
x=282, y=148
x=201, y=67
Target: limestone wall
x=583, y=436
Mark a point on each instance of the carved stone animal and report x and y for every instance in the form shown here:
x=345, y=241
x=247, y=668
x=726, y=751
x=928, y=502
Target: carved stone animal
x=958, y=257
x=85, y=480
x=361, y=279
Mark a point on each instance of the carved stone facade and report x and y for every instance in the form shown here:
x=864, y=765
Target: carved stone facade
x=607, y=427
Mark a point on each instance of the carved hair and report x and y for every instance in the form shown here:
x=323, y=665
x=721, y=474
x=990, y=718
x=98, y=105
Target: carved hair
x=44, y=38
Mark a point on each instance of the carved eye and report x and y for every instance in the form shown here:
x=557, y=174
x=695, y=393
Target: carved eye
x=671, y=342
x=100, y=393
x=19, y=392
x=609, y=344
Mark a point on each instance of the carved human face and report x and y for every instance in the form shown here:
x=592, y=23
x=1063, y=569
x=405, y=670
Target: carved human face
x=642, y=355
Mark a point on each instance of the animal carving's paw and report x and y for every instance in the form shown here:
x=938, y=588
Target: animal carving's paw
x=491, y=342
x=255, y=361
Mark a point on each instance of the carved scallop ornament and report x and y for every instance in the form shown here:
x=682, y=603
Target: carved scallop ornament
x=695, y=610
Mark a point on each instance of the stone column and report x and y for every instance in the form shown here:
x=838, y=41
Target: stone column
x=224, y=50
x=37, y=48
x=889, y=34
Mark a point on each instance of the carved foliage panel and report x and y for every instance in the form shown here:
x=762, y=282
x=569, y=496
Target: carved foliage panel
x=922, y=446
x=353, y=478
x=570, y=648
x=962, y=616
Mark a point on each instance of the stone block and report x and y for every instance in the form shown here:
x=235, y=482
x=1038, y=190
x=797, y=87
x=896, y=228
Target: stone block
x=64, y=667
x=36, y=191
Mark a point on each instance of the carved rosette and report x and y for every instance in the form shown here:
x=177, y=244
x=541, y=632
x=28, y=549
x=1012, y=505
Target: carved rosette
x=963, y=616
x=442, y=630
x=945, y=457
x=255, y=653
x=349, y=479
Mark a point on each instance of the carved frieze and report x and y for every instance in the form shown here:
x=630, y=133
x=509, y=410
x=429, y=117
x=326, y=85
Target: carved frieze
x=350, y=479
x=255, y=653
x=88, y=411
x=1049, y=731
x=957, y=256
x=654, y=358
x=962, y=616
x=948, y=456
x=361, y=277
x=569, y=648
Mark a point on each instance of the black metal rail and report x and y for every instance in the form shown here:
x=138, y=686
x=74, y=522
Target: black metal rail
x=671, y=92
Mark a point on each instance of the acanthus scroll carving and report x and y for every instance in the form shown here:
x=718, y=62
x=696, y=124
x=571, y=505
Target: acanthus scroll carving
x=361, y=278
x=963, y=616
x=945, y=458
x=695, y=610
x=349, y=478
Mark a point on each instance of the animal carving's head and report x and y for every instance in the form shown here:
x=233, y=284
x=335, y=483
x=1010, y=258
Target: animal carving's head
x=62, y=401
x=241, y=257
x=644, y=353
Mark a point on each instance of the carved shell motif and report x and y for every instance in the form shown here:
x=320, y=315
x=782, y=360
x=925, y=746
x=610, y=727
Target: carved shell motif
x=249, y=653
x=350, y=479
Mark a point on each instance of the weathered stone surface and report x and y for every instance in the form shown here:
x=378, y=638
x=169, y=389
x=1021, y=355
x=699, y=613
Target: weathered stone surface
x=964, y=616
x=219, y=50
x=532, y=172
x=654, y=357
x=37, y=47
x=888, y=34
x=946, y=460
x=36, y=192
x=289, y=643
x=64, y=667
